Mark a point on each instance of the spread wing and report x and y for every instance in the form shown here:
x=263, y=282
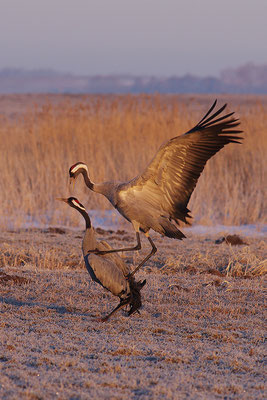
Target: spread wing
x=169, y=180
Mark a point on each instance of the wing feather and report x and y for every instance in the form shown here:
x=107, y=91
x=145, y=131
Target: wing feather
x=173, y=172
x=105, y=272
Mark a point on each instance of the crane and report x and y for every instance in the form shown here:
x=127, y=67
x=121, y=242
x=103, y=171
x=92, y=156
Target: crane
x=157, y=198
x=109, y=270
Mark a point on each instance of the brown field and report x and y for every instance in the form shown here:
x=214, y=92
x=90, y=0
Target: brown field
x=200, y=333
x=117, y=136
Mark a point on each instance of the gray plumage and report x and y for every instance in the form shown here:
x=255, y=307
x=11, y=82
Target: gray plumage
x=109, y=270
x=157, y=198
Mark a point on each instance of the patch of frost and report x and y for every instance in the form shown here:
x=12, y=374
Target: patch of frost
x=244, y=230
x=112, y=220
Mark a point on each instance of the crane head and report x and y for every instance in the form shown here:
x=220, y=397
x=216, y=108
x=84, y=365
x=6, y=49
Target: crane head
x=73, y=202
x=80, y=168
x=77, y=169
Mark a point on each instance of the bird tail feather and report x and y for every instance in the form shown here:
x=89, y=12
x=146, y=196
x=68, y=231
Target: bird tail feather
x=170, y=230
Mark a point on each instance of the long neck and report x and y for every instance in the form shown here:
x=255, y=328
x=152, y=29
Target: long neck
x=87, y=180
x=88, y=224
x=108, y=189
x=89, y=240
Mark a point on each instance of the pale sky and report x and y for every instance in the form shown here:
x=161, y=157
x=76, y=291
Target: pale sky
x=142, y=37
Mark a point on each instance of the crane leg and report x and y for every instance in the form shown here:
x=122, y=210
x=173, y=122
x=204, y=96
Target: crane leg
x=153, y=251
x=137, y=247
x=119, y=306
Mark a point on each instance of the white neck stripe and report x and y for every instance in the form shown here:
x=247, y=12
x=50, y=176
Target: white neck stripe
x=78, y=205
x=79, y=166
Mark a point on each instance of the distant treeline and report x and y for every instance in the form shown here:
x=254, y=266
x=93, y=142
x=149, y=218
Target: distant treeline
x=245, y=79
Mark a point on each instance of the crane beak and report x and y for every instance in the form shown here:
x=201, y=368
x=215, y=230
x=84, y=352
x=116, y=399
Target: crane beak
x=62, y=199
x=72, y=181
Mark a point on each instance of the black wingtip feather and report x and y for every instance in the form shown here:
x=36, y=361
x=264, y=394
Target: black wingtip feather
x=210, y=110
x=210, y=121
x=204, y=122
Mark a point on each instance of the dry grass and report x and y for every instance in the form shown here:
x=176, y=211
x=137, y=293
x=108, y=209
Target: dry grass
x=117, y=136
x=51, y=250
x=200, y=333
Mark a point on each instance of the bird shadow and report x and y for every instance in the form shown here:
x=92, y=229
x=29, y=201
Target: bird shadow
x=59, y=309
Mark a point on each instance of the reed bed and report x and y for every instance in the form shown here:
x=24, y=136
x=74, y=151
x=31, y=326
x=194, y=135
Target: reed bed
x=117, y=136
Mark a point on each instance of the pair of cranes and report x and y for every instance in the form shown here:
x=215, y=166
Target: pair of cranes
x=156, y=199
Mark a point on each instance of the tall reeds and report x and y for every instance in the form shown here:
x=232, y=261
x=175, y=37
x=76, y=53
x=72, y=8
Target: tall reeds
x=117, y=136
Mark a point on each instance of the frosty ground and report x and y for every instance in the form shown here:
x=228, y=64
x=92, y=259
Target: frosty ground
x=199, y=335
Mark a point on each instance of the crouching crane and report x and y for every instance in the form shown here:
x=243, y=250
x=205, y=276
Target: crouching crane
x=159, y=195
x=109, y=270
